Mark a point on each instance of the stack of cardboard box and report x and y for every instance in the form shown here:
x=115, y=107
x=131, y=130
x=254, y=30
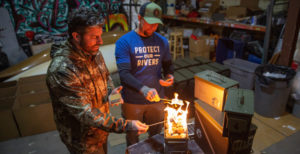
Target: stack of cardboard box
x=32, y=108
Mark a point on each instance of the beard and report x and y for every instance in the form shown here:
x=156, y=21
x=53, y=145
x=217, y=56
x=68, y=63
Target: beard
x=92, y=50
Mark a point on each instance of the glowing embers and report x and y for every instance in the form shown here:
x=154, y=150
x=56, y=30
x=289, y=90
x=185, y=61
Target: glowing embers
x=176, y=119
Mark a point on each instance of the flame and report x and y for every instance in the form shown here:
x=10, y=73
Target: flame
x=177, y=117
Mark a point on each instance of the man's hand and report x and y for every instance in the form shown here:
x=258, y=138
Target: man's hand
x=168, y=82
x=115, y=97
x=150, y=94
x=139, y=127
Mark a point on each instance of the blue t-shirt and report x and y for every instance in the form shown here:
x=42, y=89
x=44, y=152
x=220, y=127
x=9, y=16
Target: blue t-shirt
x=145, y=56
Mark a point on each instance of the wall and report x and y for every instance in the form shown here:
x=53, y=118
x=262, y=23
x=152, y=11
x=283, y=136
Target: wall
x=48, y=17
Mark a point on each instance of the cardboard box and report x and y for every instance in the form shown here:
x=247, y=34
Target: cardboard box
x=8, y=89
x=187, y=32
x=8, y=127
x=252, y=5
x=211, y=88
x=208, y=7
x=40, y=47
x=201, y=45
x=201, y=54
x=234, y=12
x=32, y=85
x=34, y=114
x=31, y=79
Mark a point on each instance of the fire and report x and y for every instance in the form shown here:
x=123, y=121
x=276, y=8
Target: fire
x=177, y=118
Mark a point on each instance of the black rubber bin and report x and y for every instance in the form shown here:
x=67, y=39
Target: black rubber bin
x=272, y=89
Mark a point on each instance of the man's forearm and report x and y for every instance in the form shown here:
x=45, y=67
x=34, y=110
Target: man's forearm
x=127, y=78
x=168, y=67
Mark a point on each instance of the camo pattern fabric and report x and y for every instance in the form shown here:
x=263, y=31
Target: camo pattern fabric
x=79, y=85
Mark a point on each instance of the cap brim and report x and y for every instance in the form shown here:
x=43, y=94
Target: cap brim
x=153, y=20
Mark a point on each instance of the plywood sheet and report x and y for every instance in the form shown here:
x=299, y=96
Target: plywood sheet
x=286, y=124
x=265, y=136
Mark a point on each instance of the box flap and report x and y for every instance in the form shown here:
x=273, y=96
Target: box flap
x=31, y=79
x=31, y=100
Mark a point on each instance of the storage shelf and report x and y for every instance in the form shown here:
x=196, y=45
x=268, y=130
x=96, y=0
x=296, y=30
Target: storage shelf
x=230, y=24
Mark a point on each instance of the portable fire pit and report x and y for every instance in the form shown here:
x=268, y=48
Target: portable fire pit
x=176, y=130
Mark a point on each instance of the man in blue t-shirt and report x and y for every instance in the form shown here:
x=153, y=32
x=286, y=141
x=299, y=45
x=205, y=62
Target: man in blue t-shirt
x=140, y=56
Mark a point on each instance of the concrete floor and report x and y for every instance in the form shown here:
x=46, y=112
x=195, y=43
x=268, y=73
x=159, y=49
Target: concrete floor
x=46, y=143
x=264, y=141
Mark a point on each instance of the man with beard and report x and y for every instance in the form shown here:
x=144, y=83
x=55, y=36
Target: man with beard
x=79, y=85
x=140, y=55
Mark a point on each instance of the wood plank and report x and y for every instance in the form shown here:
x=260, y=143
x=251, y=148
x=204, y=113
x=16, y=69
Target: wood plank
x=285, y=124
x=290, y=34
x=264, y=136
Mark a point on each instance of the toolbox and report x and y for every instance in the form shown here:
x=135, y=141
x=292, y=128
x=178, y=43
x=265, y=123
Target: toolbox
x=239, y=109
x=211, y=88
x=222, y=69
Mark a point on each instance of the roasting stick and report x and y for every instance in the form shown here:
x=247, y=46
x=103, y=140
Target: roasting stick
x=164, y=121
x=156, y=123
x=167, y=100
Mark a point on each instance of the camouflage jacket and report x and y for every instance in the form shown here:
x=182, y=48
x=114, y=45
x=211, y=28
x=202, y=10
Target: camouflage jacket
x=79, y=86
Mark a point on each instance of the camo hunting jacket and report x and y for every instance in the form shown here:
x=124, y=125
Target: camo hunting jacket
x=79, y=85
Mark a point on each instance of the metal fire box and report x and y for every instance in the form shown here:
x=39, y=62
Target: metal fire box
x=155, y=145
x=211, y=88
x=178, y=142
x=239, y=109
x=209, y=129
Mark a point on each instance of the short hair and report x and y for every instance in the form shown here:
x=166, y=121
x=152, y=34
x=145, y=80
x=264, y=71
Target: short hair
x=81, y=18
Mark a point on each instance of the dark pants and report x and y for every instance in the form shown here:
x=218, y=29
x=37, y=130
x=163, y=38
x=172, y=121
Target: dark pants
x=149, y=114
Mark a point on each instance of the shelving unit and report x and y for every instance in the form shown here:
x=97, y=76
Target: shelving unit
x=230, y=24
